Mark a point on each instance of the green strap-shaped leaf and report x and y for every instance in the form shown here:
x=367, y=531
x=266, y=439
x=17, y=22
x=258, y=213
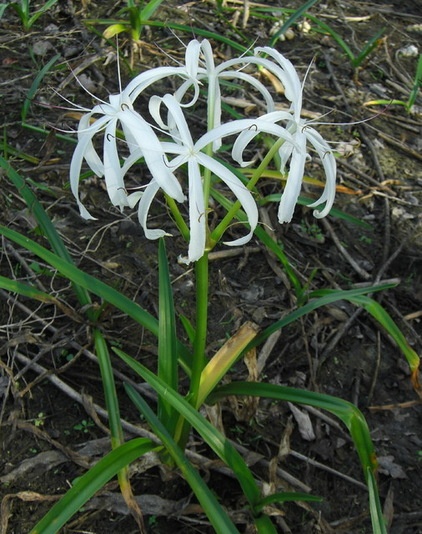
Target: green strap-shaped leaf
x=47, y=227
x=167, y=340
x=26, y=290
x=92, y=481
x=70, y=271
x=218, y=443
x=216, y=514
x=347, y=412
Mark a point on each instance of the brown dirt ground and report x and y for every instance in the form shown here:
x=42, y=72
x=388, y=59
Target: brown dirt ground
x=332, y=350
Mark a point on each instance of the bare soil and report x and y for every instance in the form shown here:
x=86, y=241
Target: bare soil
x=49, y=434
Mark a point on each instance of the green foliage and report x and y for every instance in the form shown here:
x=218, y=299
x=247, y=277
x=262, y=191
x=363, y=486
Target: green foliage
x=345, y=411
x=84, y=425
x=176, y=414
x=218, y=443
x=137, y=18
x=410, y=102
x=167, y=340
x=35, y=84
x=355, y=60
x=217, y=515
x=295, y=15
x=23, y=9
x=93, y=480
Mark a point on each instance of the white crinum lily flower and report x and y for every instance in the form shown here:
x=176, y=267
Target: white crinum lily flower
x=200, y=69
x=302, y=133
x=191, y=153
x=163, y=158
x=225, y=71
x=141, y=141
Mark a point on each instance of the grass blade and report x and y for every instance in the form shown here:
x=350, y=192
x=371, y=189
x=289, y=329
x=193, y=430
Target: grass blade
x=207, y=34
x=328, y=297
x=377, y=518
x=85, y=280
x=367, y=49
x=149, y=10
x=326, y=29
x=114, y=420
x=416, y=86
x=35, y=84
x=287, y=496
x=39, y=12
x=26, y=290
x=88, y=484
x=291, y=20
x=95, y=286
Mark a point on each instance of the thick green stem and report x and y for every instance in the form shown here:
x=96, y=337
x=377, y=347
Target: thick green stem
x=199, y=360
x=200, y=342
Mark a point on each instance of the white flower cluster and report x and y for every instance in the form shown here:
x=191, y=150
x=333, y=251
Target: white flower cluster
x=165, y=143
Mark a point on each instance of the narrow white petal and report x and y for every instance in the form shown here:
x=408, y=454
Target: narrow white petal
x=147, y=78
x=179, y=119
x=134, y=198
x=240, y=191
x=154, y=107
x=264, y=123
x=143, y=210
x=112, y=171
x=286, y=73
x=174, y=148
x=75, y=172
x=153, y=153
x=133, y=158
x=294, y=182
x=184, y=88
x=239, y=146
x=256, y=84
x=330, y=167
x=208, y=56
x=85, y=135
x=234, y=127
x=192, y=57
x=197, y=217
x=216, y=119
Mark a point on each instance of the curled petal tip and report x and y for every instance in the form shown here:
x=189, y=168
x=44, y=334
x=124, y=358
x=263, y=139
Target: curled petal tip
x=84, y=213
